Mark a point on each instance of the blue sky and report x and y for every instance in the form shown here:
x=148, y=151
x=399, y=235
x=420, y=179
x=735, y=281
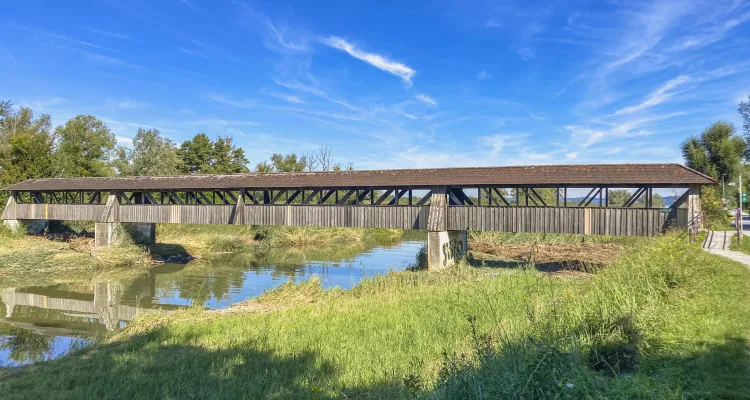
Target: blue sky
x=389, y=84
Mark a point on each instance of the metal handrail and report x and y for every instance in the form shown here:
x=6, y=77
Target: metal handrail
x=696, y=224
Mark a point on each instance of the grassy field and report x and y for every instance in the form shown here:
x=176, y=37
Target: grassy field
x=665, y=320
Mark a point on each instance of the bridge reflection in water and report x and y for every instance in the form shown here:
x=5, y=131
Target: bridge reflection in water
x=38, y=323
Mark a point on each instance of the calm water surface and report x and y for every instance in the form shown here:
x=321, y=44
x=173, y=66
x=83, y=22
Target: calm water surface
x=40, y=323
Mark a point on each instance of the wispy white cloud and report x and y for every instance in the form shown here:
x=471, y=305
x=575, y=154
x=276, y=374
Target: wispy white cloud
x=376, y=60
x=196, y=53
x=102, y=32
x=320, y=113
x=501, y=141
x=425, y=99
x=526, y=53
x=483, y=75
x=314, y=90
x=286, y=97
x=656, y=97
x=711, y=34
x=222, y=122
x=246, y=103
x=572, y=155
x=114, y=61
x=538, y=117
x=189, y=4
x=10, y=56
x=492, y=23
x=126, y=103
x=279, y=39
x=44, y=104
x=586, y=136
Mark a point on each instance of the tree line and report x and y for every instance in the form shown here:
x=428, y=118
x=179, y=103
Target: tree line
x=85, y=147
x=720, y=152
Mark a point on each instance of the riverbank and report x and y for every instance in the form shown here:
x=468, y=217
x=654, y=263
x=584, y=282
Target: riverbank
x=69, y=256
x=663, y=320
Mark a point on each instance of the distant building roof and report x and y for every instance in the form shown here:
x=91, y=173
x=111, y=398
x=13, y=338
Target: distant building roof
x=612, y=175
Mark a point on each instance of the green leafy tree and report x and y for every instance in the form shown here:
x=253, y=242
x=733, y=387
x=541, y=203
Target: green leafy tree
x=85, y=148
x=288, y=163
x=618, y=197
x=717, y=152
x=264, y=167
x=25, y=146
x=201, y=155
x=152, y=154
x=196, y=154
x=226, y=158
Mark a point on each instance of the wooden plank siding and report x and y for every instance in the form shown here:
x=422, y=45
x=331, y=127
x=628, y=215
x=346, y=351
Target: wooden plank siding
x=177, y=214
x=400, y=217
x=60, y=212
x=569, y=220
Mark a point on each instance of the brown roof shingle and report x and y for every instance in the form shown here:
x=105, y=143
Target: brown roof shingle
x=613, y=175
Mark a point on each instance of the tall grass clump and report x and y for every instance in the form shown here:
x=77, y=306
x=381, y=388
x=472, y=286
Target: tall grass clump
x=641, y=327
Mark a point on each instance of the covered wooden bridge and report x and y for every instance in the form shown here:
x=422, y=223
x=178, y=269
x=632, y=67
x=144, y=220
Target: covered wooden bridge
x=446, y=202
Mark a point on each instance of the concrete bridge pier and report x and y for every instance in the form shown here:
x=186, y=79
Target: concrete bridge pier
x=444, y=247
x=110, y=232
x=31, y=226
x=116, y=233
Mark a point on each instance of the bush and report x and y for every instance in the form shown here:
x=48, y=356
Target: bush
x=713, y=207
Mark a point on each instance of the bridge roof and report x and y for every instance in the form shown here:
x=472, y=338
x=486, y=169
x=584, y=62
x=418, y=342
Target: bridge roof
x=612, y=175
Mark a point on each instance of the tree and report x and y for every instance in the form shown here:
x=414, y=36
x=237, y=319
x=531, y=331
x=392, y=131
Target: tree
x=717, y=152
x=323, y=158
x=226, y=158
x=288, y=163
x=744, y=109
x=264, y=167
x=85, y=148
x=618, y=197
x=196, y=154
x=152, y=155
x=25, y=146
x=201, y=155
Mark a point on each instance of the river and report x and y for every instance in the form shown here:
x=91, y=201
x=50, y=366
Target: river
x=39, y=323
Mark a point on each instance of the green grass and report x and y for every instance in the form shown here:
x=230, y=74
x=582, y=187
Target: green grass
x=745, y=248
x=37, y=261
x=667, y=320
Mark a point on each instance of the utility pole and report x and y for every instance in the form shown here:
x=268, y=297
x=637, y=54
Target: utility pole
x=723, y=193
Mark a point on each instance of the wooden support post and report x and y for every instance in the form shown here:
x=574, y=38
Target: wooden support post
x=238, y=215
x=438, y=209
x=607, y=199
x=694, y=205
